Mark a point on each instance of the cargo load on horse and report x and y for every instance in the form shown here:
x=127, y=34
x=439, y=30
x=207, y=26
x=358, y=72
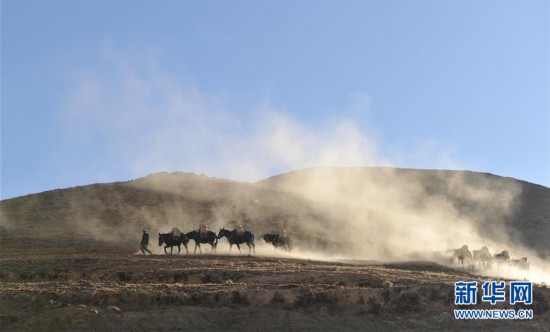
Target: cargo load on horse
x=176, y=233
x=203, y=230
x=239, y=231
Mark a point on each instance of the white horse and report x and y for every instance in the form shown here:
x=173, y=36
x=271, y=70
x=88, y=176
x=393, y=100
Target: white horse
x=462, y=254
x=502, y=258
x=483, y=257
x=521, y=264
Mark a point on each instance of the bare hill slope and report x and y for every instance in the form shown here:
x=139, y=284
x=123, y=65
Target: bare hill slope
x=113, y=214
x=498, y=208
x=67, y=257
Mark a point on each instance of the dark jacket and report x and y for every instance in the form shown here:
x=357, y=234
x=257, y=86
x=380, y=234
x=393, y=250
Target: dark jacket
x=145, y=238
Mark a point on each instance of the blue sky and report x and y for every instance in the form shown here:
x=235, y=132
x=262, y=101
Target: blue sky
x=101, y=91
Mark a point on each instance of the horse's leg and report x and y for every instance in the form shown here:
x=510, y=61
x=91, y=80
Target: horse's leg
x=213, y=244
x=165, y=252
x=186, y=250
x=179, y=248
x=239, y=247
x=196, y=245
x=249, y=248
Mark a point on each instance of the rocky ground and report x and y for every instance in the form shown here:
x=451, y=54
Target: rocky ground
x=56, y=290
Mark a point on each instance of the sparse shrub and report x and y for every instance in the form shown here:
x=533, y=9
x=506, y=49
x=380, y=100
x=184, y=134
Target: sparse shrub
x=375, y=307
x=180, y=276
x=434, y=293
x=304, y=299
x=195, y=298
x=371, y=283
x=326, y=297
x=210, y=279
x=408, y=302
x=124, y=276
x=278, y=298
x=206, y=278
x=237, y=298
x=387, y=295
x=540, y=305
x=163, y=277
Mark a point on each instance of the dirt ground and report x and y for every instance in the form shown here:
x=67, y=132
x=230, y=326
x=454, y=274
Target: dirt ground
x=63, y=290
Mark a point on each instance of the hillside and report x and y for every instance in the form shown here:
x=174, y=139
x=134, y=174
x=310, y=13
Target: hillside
x=316, y=205
x=499, y=208
x=371, y=252
x=113, y=214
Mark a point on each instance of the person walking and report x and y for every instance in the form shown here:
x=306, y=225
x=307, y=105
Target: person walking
x=145, y=242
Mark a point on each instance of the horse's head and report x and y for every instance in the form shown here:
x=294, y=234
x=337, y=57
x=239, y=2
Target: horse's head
x=221, y=233
x=161, y=239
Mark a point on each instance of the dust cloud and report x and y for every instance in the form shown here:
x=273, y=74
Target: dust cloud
x=344, y=213
x=331, y=213
x=389, y=214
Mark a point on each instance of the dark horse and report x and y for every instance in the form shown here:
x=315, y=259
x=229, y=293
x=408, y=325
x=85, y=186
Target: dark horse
x=247, y=237
x=170, y=241
x=278, y=242
x=210, y=238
